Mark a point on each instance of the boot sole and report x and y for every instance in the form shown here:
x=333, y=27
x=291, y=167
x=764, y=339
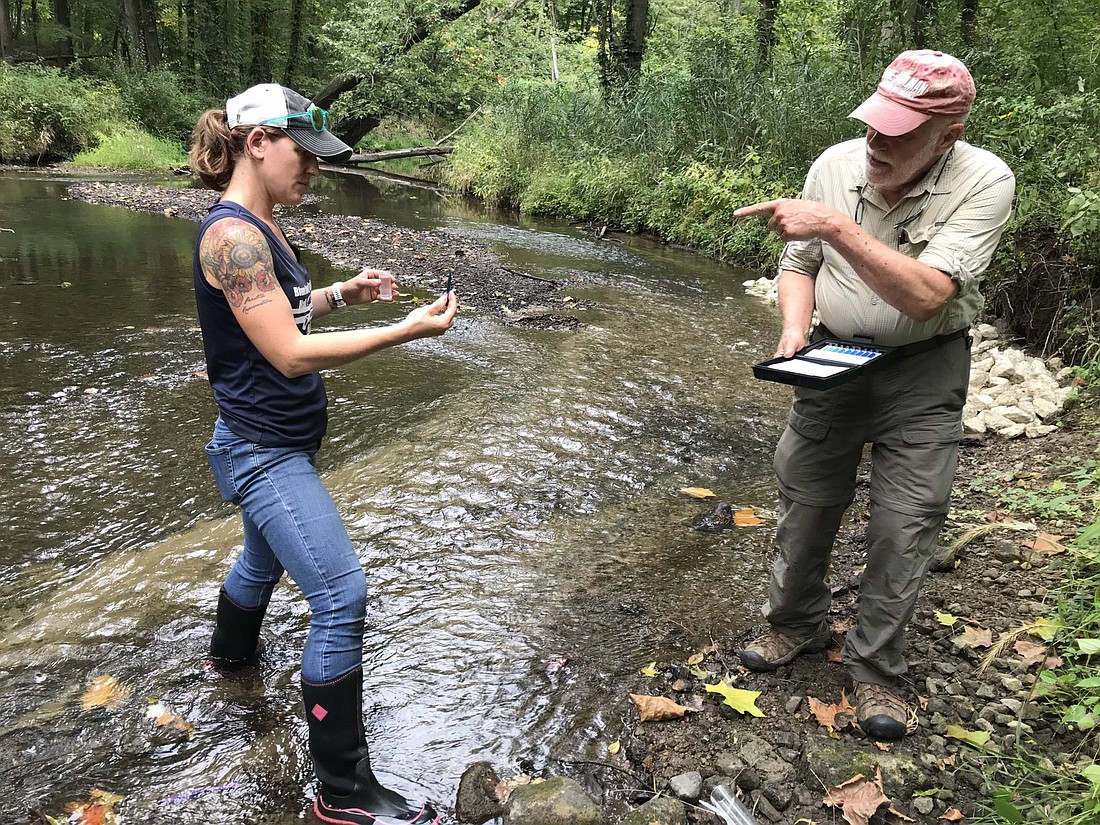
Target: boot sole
x=341, y=816
x=756, y=662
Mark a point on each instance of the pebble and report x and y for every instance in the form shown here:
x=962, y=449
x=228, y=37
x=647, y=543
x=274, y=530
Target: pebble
x=793, y=704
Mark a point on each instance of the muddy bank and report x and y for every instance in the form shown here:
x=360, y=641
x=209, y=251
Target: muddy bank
x=417, y=258
x=785, y=761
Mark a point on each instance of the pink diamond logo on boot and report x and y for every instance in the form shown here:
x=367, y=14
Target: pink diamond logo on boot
x=319, y=712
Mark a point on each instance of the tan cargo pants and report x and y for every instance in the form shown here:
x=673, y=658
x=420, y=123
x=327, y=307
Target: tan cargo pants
x=910, y=410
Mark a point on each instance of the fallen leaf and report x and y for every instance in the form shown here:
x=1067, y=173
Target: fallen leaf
x=700, y=674
x=974, y=637
x=953, y=815
x=842, y=625
x=1031, y=653
x=98, y=810
x=614, y=747
x=742, y=701
x=658, y=708
x=104, y=692
x=164, y=717
x=946, y=619
x=698, y=492
x=746, y=517
x=1045, y=629
x=947, y=762
x=858, y=798
x=1046, y=544
x=841, y=716
x=977, y=738
x=834, y=655
x=697, y=658
x=650, y=669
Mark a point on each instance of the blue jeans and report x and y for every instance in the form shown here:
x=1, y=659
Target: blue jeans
x=291, y=524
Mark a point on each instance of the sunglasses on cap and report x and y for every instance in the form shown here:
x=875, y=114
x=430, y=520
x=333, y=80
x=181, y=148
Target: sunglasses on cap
x=318, y=117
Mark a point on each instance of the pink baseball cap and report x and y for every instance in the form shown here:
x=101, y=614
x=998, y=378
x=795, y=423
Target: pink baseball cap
x=914, y=88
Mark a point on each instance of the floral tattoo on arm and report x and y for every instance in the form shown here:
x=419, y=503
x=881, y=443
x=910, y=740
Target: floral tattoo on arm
x=237, y=256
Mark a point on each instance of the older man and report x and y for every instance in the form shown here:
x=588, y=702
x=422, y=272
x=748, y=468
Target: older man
x=888, y=242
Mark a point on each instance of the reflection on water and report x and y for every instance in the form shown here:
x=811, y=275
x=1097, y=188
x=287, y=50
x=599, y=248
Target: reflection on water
x=515, y=495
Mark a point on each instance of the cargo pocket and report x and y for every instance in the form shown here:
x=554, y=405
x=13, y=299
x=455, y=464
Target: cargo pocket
x=811, y=427
x=933, y=432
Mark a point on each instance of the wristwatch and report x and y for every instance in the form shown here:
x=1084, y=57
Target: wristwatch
x=337, y=296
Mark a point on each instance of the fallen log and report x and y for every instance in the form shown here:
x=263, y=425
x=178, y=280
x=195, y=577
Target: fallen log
x=392, y=154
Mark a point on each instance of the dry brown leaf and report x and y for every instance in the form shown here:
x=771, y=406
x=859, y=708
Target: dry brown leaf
x=164, y=717
x=658, y=708
x=698, y=492
x=842, y=625
x=953, y=815
x=746, y=517
x=1046, y=544
x=1031, y=653
x=974, y=637
x=947, y=762
x=834, y=655
x=858, y=798
x=104, y=692
x=922, y=701
x=841, y=716
x=894, y=816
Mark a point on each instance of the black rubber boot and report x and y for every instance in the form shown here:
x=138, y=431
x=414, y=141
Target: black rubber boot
x=349, y=793
x=236, y=634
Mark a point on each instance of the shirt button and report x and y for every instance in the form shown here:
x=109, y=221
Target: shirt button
x=874, y=302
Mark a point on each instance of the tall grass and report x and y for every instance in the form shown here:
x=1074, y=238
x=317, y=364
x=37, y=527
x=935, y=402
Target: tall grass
x=128, y=147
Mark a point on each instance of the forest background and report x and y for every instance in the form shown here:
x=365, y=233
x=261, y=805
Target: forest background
x=657, y=116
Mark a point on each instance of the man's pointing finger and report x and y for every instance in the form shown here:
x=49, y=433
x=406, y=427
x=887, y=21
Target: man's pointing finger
x=765, y=208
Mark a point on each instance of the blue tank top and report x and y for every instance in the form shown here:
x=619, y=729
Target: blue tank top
x=255, y=400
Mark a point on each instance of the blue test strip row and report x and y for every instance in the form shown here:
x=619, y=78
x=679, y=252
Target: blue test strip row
x=847, y=353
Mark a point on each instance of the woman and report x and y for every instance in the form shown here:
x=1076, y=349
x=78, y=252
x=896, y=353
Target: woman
x=256, y=305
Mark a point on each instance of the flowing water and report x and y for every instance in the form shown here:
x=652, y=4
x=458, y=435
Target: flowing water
x=515, y=495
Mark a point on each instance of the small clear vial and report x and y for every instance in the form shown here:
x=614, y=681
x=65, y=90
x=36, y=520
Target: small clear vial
x=733, y=810
x=385, y=287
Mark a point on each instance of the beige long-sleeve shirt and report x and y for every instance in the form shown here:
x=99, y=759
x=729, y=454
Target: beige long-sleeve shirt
x=951, y=219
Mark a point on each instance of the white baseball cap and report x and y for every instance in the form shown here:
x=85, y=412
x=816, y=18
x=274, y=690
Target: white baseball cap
x=270, y=104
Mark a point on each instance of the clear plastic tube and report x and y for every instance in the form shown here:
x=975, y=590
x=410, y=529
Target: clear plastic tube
x=724, y=802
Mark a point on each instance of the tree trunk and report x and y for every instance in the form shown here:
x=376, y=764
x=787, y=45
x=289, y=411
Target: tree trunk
x=969, y=22
x=765, y=31
x=632, y=45
x=132, y=13
x=261, y=69
x=61, y=17
x=7, y=39
x=298, y=11
x=149, y=17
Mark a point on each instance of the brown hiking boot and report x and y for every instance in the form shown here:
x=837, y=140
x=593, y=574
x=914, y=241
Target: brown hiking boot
x=772, y=648
x=882, y=714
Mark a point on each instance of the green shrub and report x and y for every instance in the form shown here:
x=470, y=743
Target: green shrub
x=126, y=147
x=47, y=116
x=160, y=103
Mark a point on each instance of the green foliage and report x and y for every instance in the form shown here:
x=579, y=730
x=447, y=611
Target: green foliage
x=124, y=146
x=47, y=116
x=162, y=104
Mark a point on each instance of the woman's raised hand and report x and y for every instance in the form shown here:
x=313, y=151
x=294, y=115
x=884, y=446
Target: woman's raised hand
x=370, y=285
x=433, y=319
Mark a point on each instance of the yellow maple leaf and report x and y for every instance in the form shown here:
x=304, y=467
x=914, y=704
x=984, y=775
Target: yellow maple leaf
x=650, y=669
x=742, y=701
